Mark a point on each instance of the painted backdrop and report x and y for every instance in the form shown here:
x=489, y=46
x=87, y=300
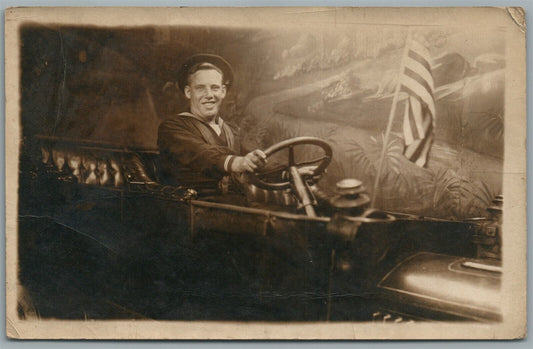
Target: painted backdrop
x=116, y=85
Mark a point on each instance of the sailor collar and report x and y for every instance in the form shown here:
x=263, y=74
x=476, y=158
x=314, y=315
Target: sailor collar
x=216, y=123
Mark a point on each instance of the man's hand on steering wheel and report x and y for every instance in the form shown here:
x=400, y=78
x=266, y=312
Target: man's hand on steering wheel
x=251, y=162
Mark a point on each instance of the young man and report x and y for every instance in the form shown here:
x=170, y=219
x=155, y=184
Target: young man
x=198, y=146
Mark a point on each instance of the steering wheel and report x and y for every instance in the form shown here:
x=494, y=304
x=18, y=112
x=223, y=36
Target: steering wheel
x=259, y=178
x=323, y=162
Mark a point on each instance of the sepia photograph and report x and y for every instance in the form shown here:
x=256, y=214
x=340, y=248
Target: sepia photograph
x=266, y=173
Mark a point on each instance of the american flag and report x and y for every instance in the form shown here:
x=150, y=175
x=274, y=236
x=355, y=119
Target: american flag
x=419, y=117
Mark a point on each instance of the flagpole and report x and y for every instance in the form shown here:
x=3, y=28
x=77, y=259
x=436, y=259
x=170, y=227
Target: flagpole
x=391, y=118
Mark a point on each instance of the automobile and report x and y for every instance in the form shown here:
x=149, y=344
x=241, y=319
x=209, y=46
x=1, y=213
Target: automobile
x=102, y=237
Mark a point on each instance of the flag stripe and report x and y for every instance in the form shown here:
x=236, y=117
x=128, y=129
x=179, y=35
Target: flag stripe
x=416, y=110
x=413, y=153
x=407, y=133
x=412, y=124
x=421, y=70
x=428, y=121
x=420, y=59
x=415, y=76
x=428, y=116
x=417, y=80
x=423, y=158
x=412, y=148
x=414, y=89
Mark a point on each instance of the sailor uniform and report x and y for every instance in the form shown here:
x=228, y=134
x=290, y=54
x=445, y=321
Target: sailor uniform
x=196, y=152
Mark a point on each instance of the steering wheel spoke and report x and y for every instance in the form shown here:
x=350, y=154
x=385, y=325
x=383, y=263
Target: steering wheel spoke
x=291, y=155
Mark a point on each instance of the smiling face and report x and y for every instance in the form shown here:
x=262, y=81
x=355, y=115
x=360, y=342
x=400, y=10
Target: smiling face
x=206, y=92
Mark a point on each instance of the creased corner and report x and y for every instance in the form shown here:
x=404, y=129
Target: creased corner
x=519, y=17
x=11, y=329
